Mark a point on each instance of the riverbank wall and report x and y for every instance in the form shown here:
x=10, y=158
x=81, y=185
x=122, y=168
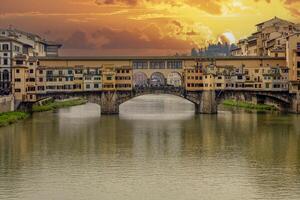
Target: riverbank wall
x=7, y=103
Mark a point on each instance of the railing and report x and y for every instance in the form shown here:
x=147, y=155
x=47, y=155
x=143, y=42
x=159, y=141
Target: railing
x=155, y=89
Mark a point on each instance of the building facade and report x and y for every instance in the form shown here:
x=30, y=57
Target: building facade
x=34, y=76
x=14, y=43
x=269, y=39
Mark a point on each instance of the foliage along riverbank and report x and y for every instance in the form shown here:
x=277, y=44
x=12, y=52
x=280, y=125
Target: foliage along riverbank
x=249, y=105
x=58, y=104
x=8, y=118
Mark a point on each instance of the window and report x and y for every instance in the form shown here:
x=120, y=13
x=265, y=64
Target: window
x=5, y=61
x=41, y=79
x=17, y=90
x=17, y=71
x=31, y=71
x=143, y=64
x=19, y=62
x=109, y=78
x=78, y=71
x=298, y=64
x=88, y=86
x=96, y=85
x=157, y=64
x=174, y=64
x=41, y=88
x=5, y=47
x=17, y=48
x=5, y=75
x=5, y=54
x=49, y=73
x=70, y=71
x=41, y=71
x=17, y=80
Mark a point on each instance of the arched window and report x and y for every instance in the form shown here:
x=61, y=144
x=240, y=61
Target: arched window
x=5, y=75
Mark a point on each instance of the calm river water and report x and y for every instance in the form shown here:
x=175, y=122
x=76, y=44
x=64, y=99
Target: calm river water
x=156, y=149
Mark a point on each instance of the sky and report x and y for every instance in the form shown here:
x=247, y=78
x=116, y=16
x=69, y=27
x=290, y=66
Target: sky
x=141, y=27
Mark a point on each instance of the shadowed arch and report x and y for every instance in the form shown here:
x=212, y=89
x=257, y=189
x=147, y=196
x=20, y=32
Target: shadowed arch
x=175, y=79
x=157, y=79
x=140, y=79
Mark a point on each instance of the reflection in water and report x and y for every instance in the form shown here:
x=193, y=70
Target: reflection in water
x=154, y=150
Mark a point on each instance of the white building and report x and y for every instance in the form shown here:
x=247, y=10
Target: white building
x=15, y=42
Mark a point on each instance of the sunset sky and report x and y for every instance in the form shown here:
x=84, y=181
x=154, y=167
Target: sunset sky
x=141, y=27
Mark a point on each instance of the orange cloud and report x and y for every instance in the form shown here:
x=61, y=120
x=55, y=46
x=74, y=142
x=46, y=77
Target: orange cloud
x=291, y=5
x=210, y=6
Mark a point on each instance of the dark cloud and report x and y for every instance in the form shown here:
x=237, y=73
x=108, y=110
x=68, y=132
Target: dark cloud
x=210, y=6
x=123, y=39
x=77, y=40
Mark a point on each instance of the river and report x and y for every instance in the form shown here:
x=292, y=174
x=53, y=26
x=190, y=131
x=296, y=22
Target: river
x=156, y=149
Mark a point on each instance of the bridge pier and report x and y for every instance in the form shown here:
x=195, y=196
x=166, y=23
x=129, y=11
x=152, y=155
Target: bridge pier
x=208, y=103
x=109, y=103
x=295, y=103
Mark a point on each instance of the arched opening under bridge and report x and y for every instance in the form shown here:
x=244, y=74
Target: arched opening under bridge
x=151, y=106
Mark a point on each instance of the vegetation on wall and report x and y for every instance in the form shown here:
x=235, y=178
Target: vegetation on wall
x=8, y=118
x=58, y=104
x=248, y=105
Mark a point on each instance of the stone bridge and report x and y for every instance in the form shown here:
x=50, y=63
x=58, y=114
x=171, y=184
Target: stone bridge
x=205, y=101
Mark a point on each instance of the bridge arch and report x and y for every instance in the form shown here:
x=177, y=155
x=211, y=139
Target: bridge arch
x=279, y=100
x=175, y=79
x=140, y=79
x=157, y=79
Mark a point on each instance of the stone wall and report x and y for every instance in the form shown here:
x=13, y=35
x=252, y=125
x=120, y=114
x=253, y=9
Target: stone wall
x=6, y=103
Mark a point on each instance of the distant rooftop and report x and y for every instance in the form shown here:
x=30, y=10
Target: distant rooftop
x=14, y=33
x=273, y=19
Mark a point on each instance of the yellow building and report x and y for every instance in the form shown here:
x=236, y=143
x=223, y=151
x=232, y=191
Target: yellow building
x=268, y=40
